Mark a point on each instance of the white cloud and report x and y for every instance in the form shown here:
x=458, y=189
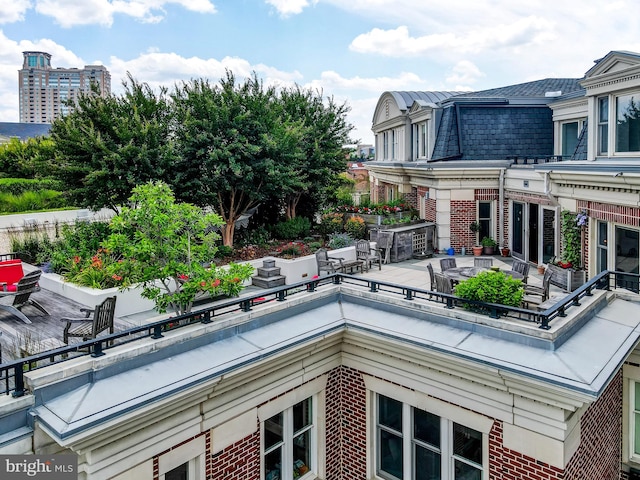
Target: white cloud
x=398, y=42
x=464, y=72
x=69, y=13
x=335, y=82
x=166, y=69
x=13, y=10
x=287, y=8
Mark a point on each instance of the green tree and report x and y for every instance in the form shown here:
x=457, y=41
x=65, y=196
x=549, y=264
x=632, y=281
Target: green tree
x=325, y=130
x=168, y=247
x=108, y=145
x=236, y=147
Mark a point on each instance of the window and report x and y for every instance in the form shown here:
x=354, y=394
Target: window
x=413, y=444
x=288, y=439
x=570, y=132
x=185, y=462
x=420, y=140
x=603, y=125
x=179, y=473
x=603, y=253
x=484, y=218
x=628, y=123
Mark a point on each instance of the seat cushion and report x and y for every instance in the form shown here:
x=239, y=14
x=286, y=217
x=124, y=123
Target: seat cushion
x=11, y=271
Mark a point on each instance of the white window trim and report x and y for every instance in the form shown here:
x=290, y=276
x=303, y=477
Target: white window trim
x=631, y=375
x=611, y=125
x=448, y=412
x=316, y=390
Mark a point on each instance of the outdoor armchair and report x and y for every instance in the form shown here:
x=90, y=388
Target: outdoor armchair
x=94, y=321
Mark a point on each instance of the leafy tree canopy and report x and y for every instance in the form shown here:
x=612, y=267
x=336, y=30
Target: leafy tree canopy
x=169, y=248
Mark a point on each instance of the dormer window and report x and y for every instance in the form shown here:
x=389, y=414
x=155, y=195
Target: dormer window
x=624, y=134
x=628, y=123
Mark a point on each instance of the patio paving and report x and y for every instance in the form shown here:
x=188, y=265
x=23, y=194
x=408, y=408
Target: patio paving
x=47, y=329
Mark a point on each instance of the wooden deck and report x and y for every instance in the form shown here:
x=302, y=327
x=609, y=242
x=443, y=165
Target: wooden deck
x=45, y=331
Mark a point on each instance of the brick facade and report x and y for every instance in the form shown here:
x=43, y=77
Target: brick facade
x=599, y=455
x=240, y=461
x=463, y=213
x=346, y=416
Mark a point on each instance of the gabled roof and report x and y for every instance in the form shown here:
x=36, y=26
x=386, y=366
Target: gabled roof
x=614, y=61
x=23, y=130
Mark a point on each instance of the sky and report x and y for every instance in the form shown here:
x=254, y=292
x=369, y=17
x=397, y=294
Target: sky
x=351, y=50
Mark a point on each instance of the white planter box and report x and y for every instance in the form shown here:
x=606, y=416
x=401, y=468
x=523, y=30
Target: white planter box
x=305, y=268
x=128, y=303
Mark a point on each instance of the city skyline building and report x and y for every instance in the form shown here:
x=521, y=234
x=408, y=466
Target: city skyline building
x=44, y=91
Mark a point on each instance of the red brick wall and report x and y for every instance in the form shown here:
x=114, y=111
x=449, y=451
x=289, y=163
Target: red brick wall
x=346, y=412
x=507, y=464
x=240, y=461
x=599, y=455
x=463, y=213
x=411, y=198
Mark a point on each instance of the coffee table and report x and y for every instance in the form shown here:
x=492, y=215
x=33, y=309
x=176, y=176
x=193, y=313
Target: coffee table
x=351, y=265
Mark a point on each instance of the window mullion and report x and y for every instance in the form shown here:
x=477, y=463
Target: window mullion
x=407, y=448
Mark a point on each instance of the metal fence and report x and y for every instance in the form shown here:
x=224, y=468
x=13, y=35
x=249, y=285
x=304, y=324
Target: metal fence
x=12, y=373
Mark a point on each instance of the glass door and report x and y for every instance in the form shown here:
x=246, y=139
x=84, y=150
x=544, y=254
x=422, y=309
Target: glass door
x=627, y=247
x=517, y=226
x=548, y=234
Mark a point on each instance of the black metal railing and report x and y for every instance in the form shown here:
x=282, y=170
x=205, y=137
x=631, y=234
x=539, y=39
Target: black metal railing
x=535, y=160
x=12, y=372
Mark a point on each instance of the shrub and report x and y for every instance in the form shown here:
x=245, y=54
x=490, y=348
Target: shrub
x=224, y=250
x=33, y=246
x=298, y=227
x=491, y=287
x=17, y=186
x=31, y=200
x=292, y=249
x=340, y=240
x=82, y=240
x=355, y=227
x=331, y=223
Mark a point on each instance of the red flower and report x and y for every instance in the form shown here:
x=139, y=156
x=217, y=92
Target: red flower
x=235, y=280
x=76, y=259
x=215, y=283
x=182, y=276
x=117, y=278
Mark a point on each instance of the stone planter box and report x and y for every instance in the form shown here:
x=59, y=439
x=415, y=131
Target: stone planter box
x=566, y=278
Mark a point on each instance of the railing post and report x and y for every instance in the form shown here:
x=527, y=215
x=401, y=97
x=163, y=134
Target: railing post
x=337, y=278
x=206, y=318
x=544, y=324
x=408, y=294
x=97, y=350
x=18, y=373
x=281, y=297
x=373, y=287
x=311, y=286
x=449, y=302
x=157, y=332
x=245, y=306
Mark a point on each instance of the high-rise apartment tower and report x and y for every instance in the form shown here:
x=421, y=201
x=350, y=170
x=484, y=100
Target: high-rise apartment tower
x=44, y=91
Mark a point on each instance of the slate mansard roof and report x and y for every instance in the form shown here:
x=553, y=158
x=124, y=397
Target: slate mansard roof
x=502, y=122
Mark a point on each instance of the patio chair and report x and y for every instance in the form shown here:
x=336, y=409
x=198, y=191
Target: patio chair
x=447, y=263
x=534, y=295
x=443, y=284
x=369, y=256
x=483, y=262
x=95, y=321
x=328, y=264
x=27, y=285
x=432, y=279
x=521, y=267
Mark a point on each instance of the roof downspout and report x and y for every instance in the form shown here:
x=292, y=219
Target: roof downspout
x=501, y=209
x=547, y=188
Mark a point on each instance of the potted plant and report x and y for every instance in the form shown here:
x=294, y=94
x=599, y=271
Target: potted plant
x=477, y=248
x=489, y=245
x=505, y=251
x=567, y=272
